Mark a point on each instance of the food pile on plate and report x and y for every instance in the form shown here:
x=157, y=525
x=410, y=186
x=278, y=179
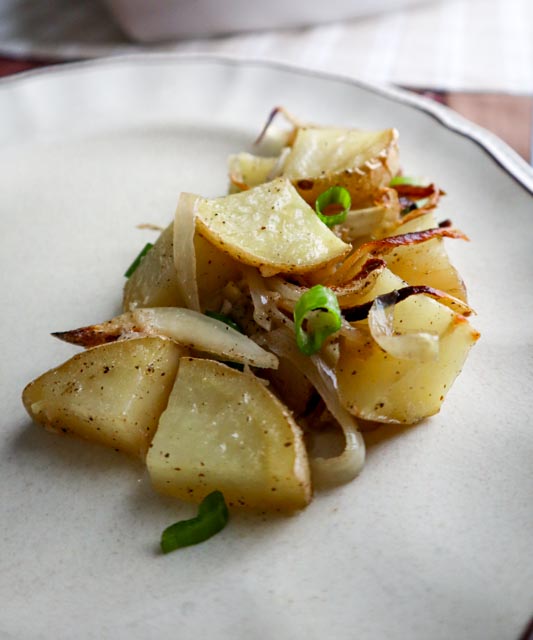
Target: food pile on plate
x=313, y=301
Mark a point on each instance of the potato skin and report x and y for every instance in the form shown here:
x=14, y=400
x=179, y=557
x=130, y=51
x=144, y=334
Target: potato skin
x=363, y=185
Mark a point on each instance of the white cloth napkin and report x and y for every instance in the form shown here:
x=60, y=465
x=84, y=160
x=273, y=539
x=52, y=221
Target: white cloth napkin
x=453, y=45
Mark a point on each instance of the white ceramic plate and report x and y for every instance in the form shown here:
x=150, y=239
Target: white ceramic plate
x=433, y=540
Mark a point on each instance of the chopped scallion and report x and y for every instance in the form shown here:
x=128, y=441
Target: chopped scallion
x=133, y=266
x=403, y=180
x=335, y=196
x=320, y=308
x=212, y=517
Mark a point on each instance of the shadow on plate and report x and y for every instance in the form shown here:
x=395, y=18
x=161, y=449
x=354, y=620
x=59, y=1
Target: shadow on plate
x=376, y=434
x=33, y=445
x=145, y=504
x=66, y=457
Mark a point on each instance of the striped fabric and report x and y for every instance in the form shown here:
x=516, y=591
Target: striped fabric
x=451, y=45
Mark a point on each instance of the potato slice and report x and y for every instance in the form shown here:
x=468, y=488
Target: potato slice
x=154, y=283
x=269, y=227
x=224, y=430
x=426, y=263
x=113, y=394
x=360, y=161
x=247, y=170
x=214, y=269
x=374, y=385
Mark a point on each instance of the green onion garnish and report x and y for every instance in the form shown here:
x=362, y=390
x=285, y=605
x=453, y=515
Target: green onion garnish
x=225, y=319
x=403, y=180
x=212, y=517
x=333, y=196
x=133, y=266
x=320, y=308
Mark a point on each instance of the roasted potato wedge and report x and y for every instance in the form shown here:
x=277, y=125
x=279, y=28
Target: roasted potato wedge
x=223, y=429
x=374, y=385
x=113, y=394
x=426, y=263
x=247, y=170
x=361, y=161
x=269, y=227
x=154, y=282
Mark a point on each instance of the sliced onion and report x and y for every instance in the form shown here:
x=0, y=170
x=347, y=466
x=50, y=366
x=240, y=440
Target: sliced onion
x=183, y=326
x=422, y=346
x=346, y=294
x=265, y=309
x=184, y=252
x=327, y=471
x=361, y=222
x=292, y=120
x=376, y=221
x=425, y=197
x=352, y=263
x=287, y=292
x=277, y=169
x=360, y=311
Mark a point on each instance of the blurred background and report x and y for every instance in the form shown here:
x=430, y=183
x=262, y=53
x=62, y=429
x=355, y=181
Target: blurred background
x=476, y=56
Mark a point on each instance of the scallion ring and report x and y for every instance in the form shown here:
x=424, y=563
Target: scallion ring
x=399, y=180
x=133, y=266
x=212, y=517
x=320, y=307
x=333, y=196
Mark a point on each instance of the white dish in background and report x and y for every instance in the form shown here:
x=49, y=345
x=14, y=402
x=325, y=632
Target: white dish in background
x=170, y=19
x=433, y=540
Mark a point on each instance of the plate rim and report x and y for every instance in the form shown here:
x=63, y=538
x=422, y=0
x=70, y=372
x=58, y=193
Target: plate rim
x=493, y=146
